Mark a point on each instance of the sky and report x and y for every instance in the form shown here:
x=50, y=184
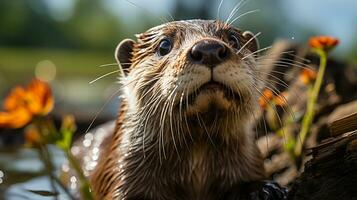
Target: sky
x=333, y=17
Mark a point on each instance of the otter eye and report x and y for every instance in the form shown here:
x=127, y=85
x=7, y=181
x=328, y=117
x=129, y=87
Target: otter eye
x=164, y=47
x=234, y=41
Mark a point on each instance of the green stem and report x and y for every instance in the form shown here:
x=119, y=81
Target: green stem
x=45, y=156
x=309, y=115
x=85, y=187
x=48, y=167
x=46, y=128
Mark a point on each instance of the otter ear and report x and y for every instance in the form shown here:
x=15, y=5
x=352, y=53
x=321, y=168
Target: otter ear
x=123, y=54
x=253, y=45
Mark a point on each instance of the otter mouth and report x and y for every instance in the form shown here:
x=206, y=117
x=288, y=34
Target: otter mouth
x=212, y=88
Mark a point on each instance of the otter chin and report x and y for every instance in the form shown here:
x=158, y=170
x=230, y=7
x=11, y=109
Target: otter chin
x=184, y=129
x=213, y=97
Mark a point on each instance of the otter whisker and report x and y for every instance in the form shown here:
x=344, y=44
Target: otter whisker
x=241, y=81
x=275, y=79
x=180, y=128
x=236, y=112
x=276, y=113
x=180, y=104
x=153, y=100
x=105, y=75
x=280, y=53
x=186, y=104
x=287, y=65
x=235, y=9
x=219, y=10
x=276, y=92
x=257, y=51
x=279, y=82
x=289, y=62
x=280, y=122
x=266, y=130
x=202, y=124
x=272, y=56
x=244, y=14
x=163, y=20
x=296, y=61
x=162, y=122
x=170, y=15
x=113, y=64
x=214, y=124
x=108, y=65
x=148, y=91
x=272, y=71
x=101, y=109
x=254, y=119
x=170, y=118
x=289, y=53
x=149, y=113
x=258, y=122
x=179, y=123
x=251, y=39
x=144, y=95
x=161, y=138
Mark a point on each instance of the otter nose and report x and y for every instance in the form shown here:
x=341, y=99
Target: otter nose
x=208, y=52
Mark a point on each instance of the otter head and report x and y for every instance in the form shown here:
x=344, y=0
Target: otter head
x=182, y=71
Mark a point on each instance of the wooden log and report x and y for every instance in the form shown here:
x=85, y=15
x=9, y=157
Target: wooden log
x=332, y=171
x=344, y=124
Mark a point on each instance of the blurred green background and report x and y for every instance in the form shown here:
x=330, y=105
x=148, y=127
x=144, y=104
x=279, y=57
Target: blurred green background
x=65, y=41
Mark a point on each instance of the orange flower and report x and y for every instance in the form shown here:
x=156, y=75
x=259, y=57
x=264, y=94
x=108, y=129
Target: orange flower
x=281, y=100
x=23, y=104
x=324, y=43
x=40, y=100
x=12, y=101
x=15, y=119
x=267, y=95
x=307, y=76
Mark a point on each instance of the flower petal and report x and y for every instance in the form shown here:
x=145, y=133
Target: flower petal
x=15, y=119
x=307, y=76
x=325, y=43
x=41, y=97
x=15, y=99
x=267, y=95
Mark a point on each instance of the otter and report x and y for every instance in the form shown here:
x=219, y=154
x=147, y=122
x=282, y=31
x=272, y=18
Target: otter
x=190, y=91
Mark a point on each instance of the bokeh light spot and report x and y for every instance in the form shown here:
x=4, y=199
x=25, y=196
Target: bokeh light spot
x=46, y=70
x=1, y=176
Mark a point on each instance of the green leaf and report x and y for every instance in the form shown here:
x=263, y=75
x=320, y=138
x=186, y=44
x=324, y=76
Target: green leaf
x=44, y=193
x=66, y=140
